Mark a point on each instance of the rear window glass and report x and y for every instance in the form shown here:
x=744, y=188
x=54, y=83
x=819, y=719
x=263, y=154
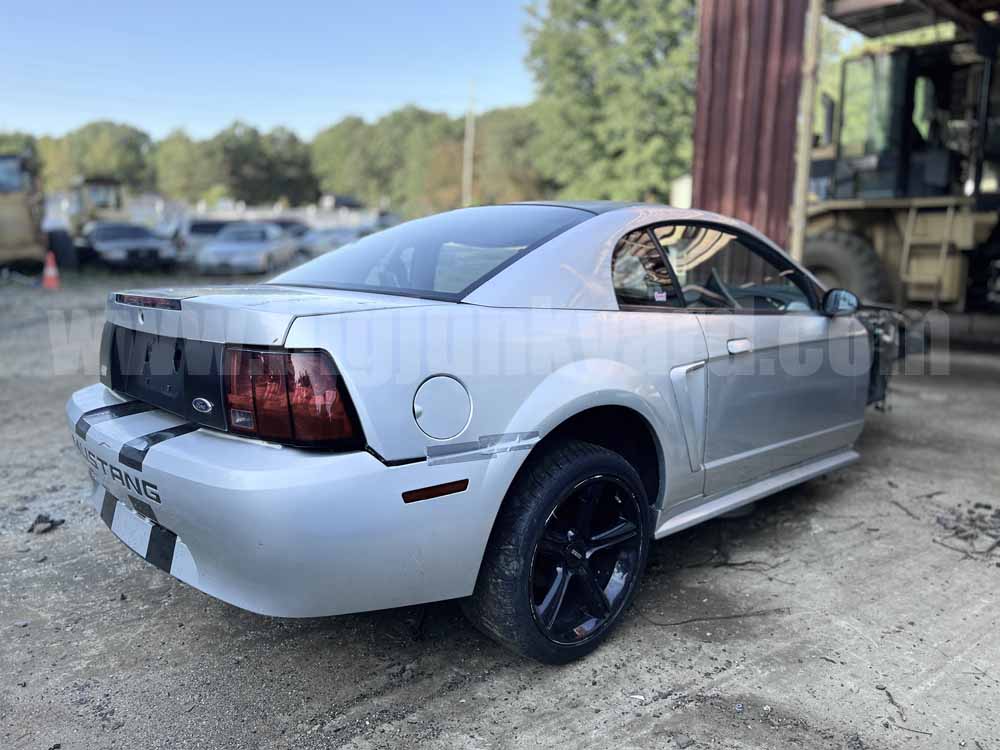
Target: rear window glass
x=442, y=256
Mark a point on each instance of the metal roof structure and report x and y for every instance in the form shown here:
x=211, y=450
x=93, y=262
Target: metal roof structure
x=875, y=18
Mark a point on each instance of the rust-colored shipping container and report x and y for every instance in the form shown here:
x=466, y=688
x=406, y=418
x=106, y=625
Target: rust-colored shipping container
x=749, y=75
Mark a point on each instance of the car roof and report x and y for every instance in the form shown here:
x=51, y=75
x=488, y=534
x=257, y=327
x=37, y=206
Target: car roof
x=118, y=225
x=593, y=207
x=252, y=224
x=573, y=269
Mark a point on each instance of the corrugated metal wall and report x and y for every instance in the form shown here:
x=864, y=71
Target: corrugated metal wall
x=749, y=74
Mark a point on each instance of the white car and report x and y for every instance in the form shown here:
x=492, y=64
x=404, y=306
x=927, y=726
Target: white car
x=248, y=247
x=319, y=241
x=195, y=234
x=130, y=245
x=503, y=404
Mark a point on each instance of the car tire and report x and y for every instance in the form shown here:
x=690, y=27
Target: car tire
x=543, y=587
x=848, y=261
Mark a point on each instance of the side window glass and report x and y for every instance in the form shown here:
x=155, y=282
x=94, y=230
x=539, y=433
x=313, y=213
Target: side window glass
x=640, y=275
x=717, y=270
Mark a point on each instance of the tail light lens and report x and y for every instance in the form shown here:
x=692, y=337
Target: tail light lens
x=296, y=398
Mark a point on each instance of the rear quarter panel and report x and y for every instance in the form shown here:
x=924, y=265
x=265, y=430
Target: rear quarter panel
x=526, y=371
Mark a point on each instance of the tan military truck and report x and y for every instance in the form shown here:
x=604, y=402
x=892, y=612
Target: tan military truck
x=95, y=198
x=906, y=180
x=22, y=243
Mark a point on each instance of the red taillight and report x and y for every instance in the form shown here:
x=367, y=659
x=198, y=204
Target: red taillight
x=290, y=397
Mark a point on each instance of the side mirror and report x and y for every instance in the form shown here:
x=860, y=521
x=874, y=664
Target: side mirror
x=837, y=302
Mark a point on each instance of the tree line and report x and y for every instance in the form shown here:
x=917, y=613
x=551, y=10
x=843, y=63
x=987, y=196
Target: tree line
x=612, y=120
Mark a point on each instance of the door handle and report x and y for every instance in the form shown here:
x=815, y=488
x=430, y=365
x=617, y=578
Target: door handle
x=739, y=346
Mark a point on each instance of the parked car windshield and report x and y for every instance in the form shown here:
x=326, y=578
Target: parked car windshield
x=206, y=227
x=11, y=179
x=243, y=234
x=121, y=232
x=442, y=256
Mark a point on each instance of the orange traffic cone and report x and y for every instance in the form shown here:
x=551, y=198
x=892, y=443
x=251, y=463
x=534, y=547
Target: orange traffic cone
x=50, y=276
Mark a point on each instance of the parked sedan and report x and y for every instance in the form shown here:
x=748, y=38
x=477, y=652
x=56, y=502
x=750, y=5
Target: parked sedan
x=131, y=245
x=196, y=234
x=248, y=247
x=319, y=241
x=503, y=404
x=296, y=229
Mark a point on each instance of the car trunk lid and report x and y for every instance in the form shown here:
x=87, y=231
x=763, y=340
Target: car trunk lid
x=165, y=346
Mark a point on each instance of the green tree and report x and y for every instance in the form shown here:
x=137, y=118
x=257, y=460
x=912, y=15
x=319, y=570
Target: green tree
x=244, y=164
x=185, y=168
x=340, y=159
x=429, y=174
x=506, y=157
x=401, y=148
x=112, y=149
x=58, y=169
x=616, y=85
x=291, y=175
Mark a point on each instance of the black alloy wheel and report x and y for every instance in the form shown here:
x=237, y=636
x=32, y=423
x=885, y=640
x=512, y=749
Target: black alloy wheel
x=566, y=553
x=586, y=562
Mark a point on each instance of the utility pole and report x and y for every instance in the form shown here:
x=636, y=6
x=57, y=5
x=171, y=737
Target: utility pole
x=469, y=148
x=803, y=148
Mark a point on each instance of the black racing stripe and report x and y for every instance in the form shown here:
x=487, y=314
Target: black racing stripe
x=160, y=551
x=133, y=453
x=108, y=509
x=103, y=414
x=142, y=508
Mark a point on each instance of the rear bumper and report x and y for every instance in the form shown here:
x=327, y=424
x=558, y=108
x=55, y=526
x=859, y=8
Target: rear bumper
x=281, y=531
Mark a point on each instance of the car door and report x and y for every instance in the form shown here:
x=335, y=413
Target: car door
x=667, y=350
x=785, y=383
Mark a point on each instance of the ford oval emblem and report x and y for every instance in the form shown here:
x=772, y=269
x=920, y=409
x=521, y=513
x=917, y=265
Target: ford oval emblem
x=202, y=405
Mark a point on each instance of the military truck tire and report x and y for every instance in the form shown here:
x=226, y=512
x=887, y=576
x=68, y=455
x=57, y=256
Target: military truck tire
x=62, y=245
x=845, y=260
x=983, y=291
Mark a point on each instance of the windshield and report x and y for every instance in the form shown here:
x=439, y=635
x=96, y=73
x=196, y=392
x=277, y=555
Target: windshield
x=11, y=178
x=442, y=257
x=102, y=195
x=243, y=234
x=206, y=227
x=121, y=232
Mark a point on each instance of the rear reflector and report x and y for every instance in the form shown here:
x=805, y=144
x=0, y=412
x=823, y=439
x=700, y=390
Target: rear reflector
x=437, y=490
x=296, y=398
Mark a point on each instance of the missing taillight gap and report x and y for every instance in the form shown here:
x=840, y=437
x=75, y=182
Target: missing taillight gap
x=292, y=397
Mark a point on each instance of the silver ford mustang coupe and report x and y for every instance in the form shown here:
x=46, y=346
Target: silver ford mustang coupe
x=503, y=404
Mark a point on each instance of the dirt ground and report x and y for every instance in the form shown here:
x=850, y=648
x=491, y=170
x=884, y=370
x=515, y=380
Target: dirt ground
x=859, y=610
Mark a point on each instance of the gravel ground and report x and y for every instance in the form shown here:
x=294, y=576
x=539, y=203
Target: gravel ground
x=856, y=611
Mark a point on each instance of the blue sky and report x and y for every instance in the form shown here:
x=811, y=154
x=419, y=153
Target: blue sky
x=300, y=63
